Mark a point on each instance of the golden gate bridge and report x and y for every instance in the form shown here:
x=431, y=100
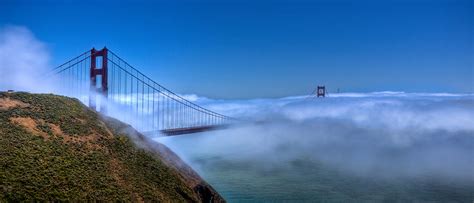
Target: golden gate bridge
x=108, y=84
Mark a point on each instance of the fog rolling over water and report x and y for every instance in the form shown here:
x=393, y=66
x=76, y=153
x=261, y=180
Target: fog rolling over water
x=376, y=146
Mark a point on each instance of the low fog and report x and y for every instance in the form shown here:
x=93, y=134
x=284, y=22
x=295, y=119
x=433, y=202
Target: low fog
x=384, y=134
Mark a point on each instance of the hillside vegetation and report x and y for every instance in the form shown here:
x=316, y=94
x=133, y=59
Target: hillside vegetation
x=55, y=148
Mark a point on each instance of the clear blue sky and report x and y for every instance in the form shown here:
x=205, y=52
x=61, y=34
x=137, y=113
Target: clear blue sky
x=267, y=49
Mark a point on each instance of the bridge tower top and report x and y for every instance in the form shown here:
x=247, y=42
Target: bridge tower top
x=98, y=71
x=321, y=91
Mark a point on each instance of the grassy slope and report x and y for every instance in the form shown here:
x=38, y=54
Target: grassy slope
x=69, y=152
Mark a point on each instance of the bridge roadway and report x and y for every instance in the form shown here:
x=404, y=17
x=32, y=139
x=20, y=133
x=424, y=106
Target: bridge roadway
x=188, y=130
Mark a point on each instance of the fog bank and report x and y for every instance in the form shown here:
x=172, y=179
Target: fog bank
x=24, y=60
x=383, y=134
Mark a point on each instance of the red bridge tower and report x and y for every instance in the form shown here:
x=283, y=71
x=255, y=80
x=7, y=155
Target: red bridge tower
x=101, y=71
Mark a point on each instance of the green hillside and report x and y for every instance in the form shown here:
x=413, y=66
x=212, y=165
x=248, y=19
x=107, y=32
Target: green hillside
x=55, y=148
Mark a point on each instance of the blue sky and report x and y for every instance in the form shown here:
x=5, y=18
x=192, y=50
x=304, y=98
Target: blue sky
x=268, y=49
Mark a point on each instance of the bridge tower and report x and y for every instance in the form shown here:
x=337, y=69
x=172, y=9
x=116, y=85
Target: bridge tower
x=101, y=71
x=321, y=91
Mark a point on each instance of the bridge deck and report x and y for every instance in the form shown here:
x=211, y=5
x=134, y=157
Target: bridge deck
x=197, y=129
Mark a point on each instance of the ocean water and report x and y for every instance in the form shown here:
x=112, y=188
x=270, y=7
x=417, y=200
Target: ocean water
x=370, y=148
